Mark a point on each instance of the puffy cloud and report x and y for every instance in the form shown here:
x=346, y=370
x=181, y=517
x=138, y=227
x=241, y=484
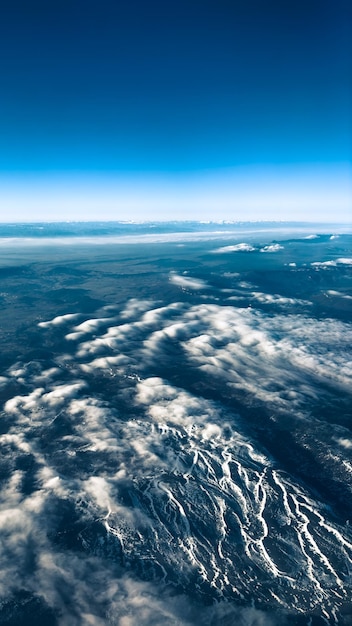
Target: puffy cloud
x=324, y=264
x=59, y=320
x=338, y=294
x=344, y=442
x=87, y=327
x=167, y=404
x=91, y=325
x=134, y=307
x=238, y=247
x=61, y=393
x=186, y=282
x=344, y=261
x=274, y=247
x=333, y=263
x=106, y=363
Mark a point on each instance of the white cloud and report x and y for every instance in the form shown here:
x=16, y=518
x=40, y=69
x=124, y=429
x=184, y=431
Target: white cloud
x=344, y=261
x=169, y=405
x=245, y=285
x=46, y=375
x=134, y=307
x=338, y=294
x=30, y=406
x=274, y=247
x=59, y=320
x=345, y=443
x=61, y=393
x=238, y=247
x=186, y=282
x=108, y=363
x=331, y=263
x=274, y=298
x=91, y=325
x=324, y=264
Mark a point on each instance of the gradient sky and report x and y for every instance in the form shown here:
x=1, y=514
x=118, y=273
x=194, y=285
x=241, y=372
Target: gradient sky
x=166, y=109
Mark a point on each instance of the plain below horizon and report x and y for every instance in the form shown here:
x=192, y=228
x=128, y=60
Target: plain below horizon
x=154, y=231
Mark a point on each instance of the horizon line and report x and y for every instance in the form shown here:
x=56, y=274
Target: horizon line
x=174, y=221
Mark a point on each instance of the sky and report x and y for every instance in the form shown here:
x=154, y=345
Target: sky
x=187, y=109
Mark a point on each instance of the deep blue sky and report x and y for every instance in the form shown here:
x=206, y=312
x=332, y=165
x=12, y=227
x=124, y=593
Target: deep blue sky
x=140, y=91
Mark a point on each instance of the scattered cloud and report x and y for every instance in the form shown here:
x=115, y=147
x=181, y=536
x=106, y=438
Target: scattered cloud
x=99, y=498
